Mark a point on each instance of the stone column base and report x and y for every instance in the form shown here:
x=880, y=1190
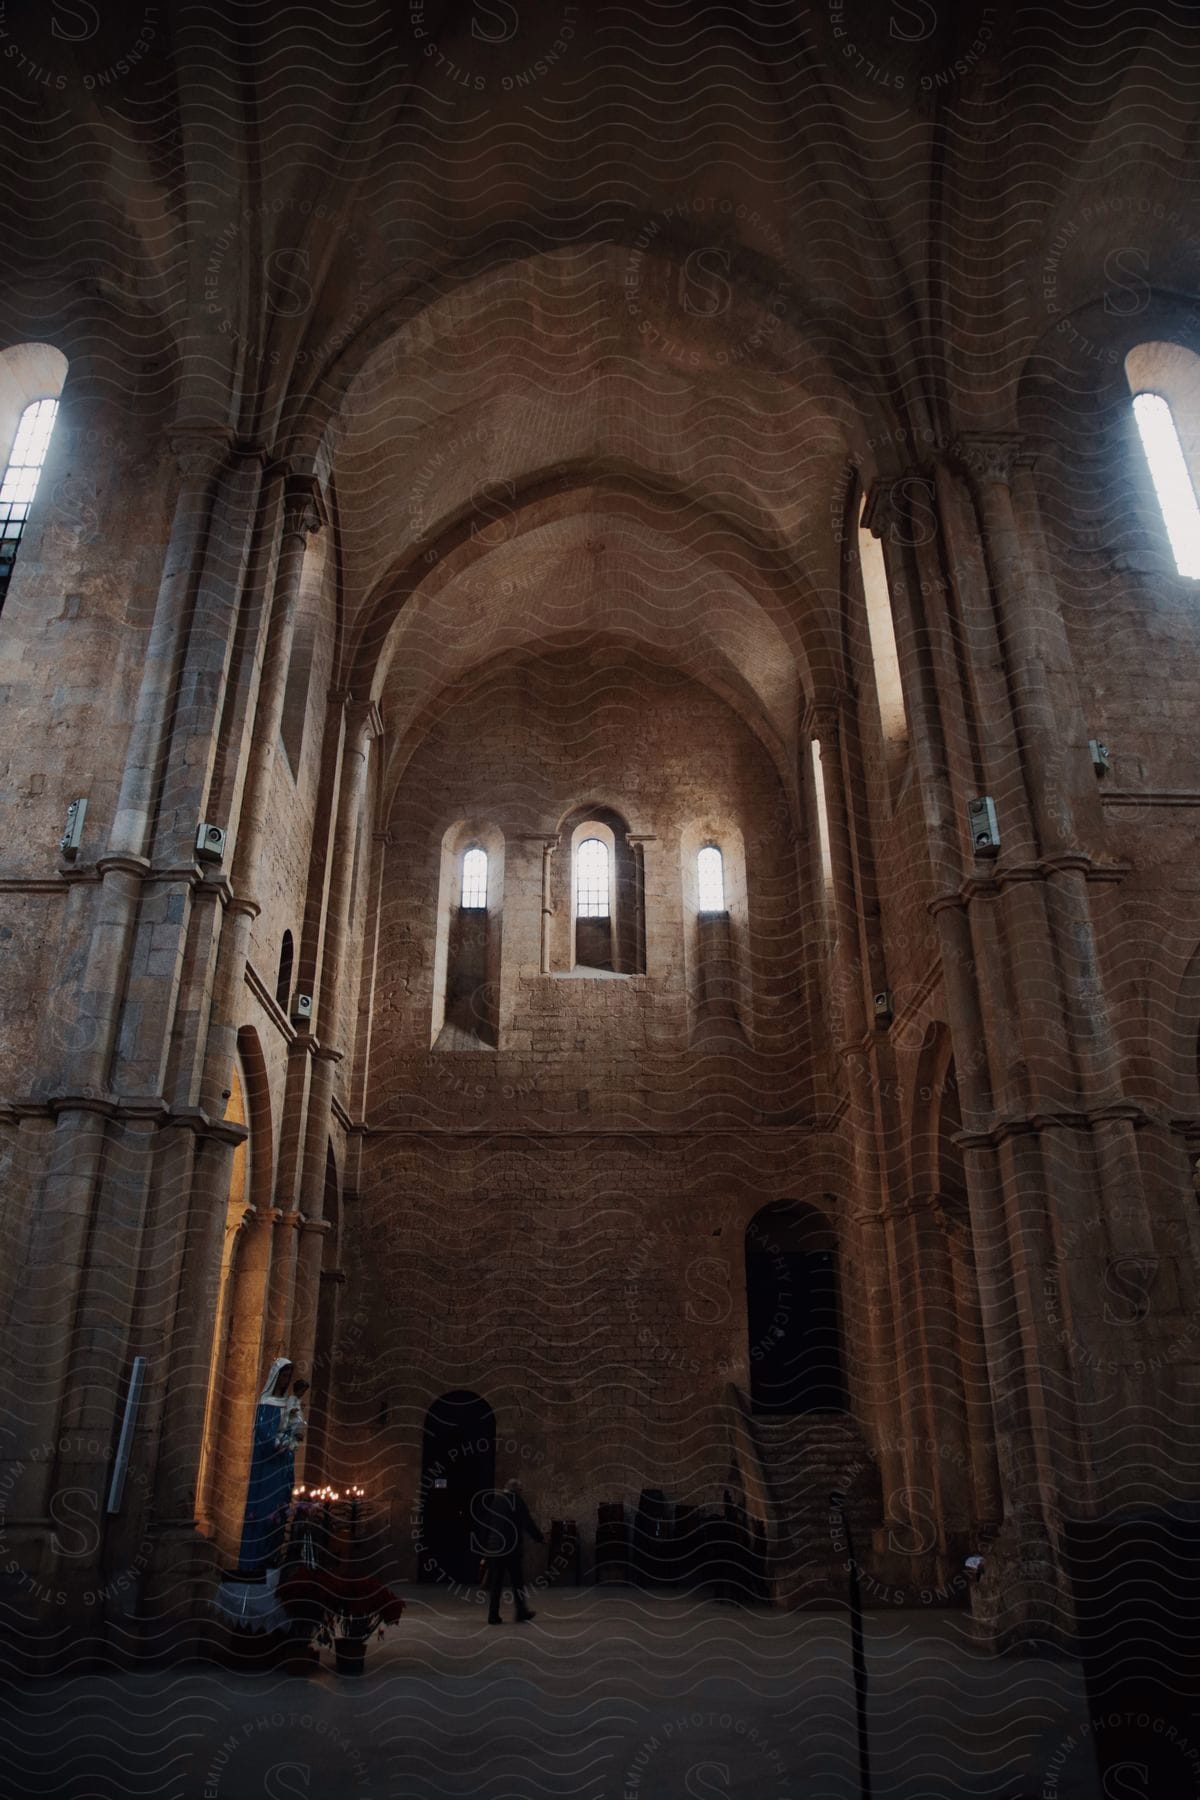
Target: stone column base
x=1023, y=1600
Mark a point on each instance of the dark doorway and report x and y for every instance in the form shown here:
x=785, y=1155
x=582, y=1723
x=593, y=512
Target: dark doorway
x=792, y=1307
x=458, y=1463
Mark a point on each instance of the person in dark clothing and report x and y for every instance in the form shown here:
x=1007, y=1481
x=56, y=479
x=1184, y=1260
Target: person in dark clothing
x=506, y=1522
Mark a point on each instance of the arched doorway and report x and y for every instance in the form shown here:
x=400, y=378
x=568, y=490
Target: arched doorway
x=458, y=1463
x=792, y=1311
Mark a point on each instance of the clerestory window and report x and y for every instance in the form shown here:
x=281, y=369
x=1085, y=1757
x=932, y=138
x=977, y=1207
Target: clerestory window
x=710, y=879
x=20, y=480
x=1172, y=480
x=592, y=899
x=474, y=879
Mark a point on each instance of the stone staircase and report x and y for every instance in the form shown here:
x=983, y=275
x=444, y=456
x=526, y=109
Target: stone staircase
x=800, y=1460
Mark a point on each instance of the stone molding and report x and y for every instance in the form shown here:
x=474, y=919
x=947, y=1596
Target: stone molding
x=819, y=1125
x=1152, y=797
x=145, y=1109
x=1033, y=1124
x=270, y=1005
x=977, y=887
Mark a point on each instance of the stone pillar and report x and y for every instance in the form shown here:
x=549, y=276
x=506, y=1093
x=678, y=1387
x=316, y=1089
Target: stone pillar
x=956, y=748
x=310, y=1252
x=301, y=518
x=237, y=1222
x=183, y=1385
x=197, y=454
x=195, y=1297
x=319, y=1449
x=363, y=725
x=948, y=1463
x=881, y=1394
x=81, y=1058
x=987, y=1500
x=244, y=1368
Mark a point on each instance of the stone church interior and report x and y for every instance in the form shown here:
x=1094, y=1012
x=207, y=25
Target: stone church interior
x=599, y=910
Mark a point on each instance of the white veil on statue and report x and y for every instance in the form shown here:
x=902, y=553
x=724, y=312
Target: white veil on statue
x=269, y=1397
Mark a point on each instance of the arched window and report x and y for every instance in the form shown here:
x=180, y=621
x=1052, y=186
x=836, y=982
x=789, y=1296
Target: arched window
x=591, y=880
x=474, y=879
x=21, y=479
x=283, y=981
x=710, y=879
x=467, y=948
x=1172, y=481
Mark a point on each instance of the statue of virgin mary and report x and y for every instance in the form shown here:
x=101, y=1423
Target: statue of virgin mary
x=278, y=1427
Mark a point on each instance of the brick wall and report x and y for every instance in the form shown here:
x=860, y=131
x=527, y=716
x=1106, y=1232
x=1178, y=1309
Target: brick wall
x=558, y=1224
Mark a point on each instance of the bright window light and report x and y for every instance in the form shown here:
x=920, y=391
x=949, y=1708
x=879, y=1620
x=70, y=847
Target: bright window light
x=591, y=879
x=883, y=637
x=474, y=879
x=1172, y=483
x=822, y=813
x=710, y=875
x=21, y=478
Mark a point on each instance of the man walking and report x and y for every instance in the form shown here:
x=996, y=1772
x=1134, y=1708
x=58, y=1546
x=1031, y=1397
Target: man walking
x=506, y=1521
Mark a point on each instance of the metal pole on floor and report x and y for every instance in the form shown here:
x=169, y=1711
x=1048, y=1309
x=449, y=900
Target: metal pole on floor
x=858, y=1654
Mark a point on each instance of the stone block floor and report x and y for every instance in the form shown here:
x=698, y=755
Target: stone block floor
x=611, y=1694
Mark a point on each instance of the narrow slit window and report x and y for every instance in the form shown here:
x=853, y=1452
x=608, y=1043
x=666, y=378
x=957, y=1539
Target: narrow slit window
x=882, y=630
x=822, y=813
x=710, y=876
x=1172, y=482
x=20, y=480
x=474, y=880
x=591, y=880
x=283, y=981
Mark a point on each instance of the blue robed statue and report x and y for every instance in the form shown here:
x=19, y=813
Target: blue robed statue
x=278, y=1428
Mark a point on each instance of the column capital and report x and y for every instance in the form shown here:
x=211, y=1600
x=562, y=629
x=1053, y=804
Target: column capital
x=198, y=449
x=890, y=497
x=360, y=712
x=363, y=717
x=303, y=507
x=988, y=456
x=822, y=719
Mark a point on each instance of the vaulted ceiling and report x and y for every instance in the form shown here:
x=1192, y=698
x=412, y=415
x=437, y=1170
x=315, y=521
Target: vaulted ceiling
x=586, y=314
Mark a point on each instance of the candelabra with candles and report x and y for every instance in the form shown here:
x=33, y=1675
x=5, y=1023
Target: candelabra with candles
x=314, y=1512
